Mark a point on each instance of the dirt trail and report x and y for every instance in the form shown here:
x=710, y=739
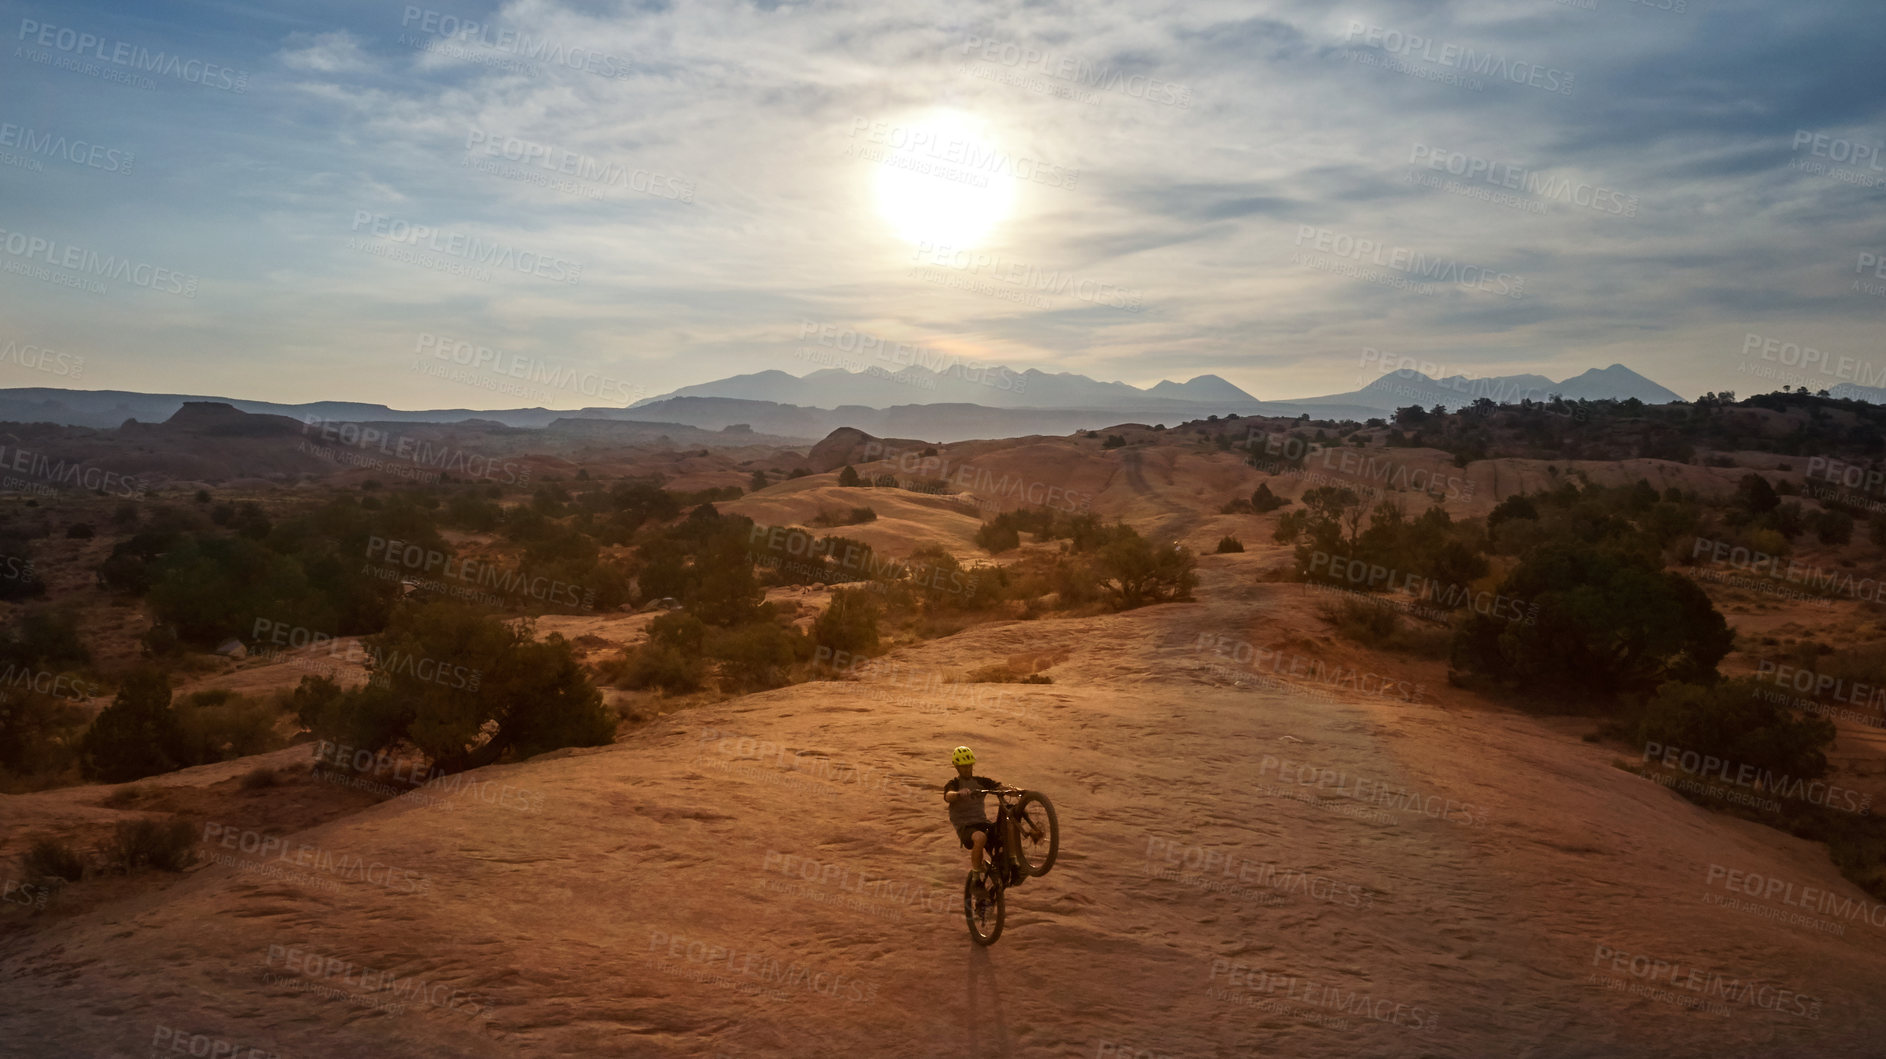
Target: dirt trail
x=774, y=875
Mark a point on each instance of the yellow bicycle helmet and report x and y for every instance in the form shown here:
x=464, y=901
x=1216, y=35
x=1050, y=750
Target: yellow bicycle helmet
x=963, y=756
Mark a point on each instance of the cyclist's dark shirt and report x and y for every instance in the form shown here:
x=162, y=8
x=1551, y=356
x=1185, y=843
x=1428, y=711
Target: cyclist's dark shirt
x=969, y=810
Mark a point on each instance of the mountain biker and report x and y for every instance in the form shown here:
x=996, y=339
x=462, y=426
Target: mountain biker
x=964, y=793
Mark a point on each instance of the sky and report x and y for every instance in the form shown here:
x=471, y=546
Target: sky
x=588, y=203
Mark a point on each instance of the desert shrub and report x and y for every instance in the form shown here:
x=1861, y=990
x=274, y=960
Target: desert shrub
x=49, y=856
x=659, y=665
x=850, y=623
x=220, y=725
x=1133, y=572
x=1263, y=501
x=849, y=477
x=80, y=531
x=130, y=739
x=166, y=845
x=1114, y=441
x=39, y=734
x=1609, y=621
x=756, y=656
x=259, y=779
x=1229, y=544
x=1364, y=622
x=1834, y=527
x=996, y=538
x=1735, y=721
x=467, y=689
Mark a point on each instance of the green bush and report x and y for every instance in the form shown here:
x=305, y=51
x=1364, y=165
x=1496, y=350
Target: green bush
x=220, y=725
x=849, y=623
x=1735, y=720
x=996, y=538
x=467, y=690
x=1609, y=621
x=130, y=739
x=49, y=856
x=755, y=657
x=655, y=665
x=1133, y=572
x=168, y=845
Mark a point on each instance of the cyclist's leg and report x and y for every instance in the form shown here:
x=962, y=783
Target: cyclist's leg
x=978, y=838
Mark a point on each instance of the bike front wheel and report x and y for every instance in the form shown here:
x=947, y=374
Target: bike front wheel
x=983, y=908
x=1038, y=833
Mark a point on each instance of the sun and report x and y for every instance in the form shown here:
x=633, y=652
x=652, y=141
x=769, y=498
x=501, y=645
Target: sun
x=942, y=179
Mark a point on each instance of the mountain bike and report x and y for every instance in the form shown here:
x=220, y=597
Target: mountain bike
x=1024, y=842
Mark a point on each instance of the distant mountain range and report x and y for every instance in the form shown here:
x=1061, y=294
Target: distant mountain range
x=996, y=387
x=954, y=404
x=1398, y=389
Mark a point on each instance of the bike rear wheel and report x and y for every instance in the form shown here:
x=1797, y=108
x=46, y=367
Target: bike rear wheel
x=984, y=909
x=1037, y=832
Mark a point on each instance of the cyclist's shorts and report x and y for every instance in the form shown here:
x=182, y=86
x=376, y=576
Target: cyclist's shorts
x=963, y=833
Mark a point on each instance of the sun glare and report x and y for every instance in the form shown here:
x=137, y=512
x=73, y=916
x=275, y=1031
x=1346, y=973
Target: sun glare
x=942, y=180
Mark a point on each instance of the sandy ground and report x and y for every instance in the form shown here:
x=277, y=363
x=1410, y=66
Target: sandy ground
x=774, y=875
